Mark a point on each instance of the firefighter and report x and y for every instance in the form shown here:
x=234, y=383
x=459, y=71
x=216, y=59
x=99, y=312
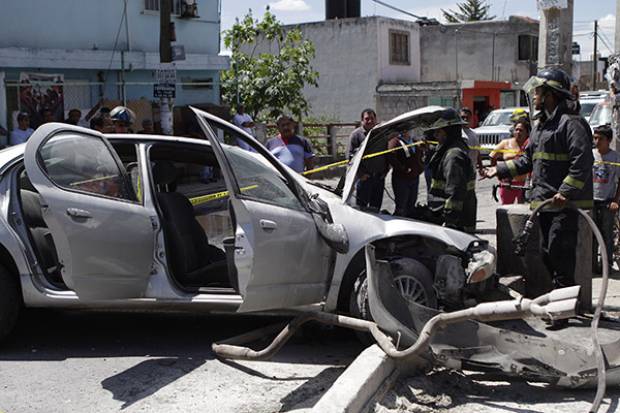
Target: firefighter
x=453, y=181
x=559, y=155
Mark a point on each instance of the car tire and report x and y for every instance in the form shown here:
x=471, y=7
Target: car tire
x=411, y=277
x=10, y=302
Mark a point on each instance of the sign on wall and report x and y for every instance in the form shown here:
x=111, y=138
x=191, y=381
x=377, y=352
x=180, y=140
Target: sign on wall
x=41, y=95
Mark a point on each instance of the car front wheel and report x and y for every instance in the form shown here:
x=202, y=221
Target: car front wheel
x=10, y=302
x=411, y=278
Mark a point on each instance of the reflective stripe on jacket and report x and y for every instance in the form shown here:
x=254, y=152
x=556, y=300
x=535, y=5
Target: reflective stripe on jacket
x=559, y=155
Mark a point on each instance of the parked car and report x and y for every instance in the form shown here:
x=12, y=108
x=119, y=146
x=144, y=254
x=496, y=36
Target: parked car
x=496, y=127
x=125, y=221
x=588, y=100
x=601, y=114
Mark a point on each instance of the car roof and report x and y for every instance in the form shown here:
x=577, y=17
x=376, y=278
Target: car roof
x=154, y=138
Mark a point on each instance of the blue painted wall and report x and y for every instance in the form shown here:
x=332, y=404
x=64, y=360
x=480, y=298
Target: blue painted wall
x=88, y=24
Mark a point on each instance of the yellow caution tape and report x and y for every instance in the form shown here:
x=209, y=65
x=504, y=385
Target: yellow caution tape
x=218, y=195
x=370, y=155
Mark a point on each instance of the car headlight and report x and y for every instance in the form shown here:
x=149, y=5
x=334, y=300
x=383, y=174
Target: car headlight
x=481, y=266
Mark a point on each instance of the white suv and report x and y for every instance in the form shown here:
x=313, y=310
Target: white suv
x=496, y=127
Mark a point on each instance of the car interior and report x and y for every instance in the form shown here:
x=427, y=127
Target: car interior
x=191, y=195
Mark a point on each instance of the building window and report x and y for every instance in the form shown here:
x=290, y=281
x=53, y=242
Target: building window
x=399, y=48
x=196, y=84
x=153, y=5
x=528, y=47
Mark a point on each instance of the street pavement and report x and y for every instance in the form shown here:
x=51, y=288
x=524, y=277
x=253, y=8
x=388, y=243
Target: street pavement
x=60, y=361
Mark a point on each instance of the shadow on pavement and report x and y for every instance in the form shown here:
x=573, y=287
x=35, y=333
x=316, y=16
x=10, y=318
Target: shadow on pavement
x=309, y=393
x=147, y=377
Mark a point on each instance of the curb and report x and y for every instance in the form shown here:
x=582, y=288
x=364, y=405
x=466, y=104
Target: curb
x=370, y=374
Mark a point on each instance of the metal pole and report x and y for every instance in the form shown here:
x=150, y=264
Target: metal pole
x=126, y=26
x=594, y=55
x=165, y=56
x=493, y=59
x=122, y=73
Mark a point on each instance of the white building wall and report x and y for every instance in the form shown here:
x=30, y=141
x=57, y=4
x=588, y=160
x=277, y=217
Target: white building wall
x=467, y=51
x=346, y=59
x=390, y=73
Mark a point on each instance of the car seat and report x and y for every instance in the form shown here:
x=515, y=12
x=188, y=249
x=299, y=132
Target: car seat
x=192, y=260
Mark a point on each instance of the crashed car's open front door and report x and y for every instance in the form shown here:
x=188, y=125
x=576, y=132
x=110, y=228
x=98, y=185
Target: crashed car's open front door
x=280, y=258
x=101, y=231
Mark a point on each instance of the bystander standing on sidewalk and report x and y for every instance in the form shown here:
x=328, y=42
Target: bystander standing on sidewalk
x=511, y=149
x=292, y=150
x=606, y=179
x=369, y=187
x=245, y=122
x=23, y=130
x=472, y=139
x=406, y=166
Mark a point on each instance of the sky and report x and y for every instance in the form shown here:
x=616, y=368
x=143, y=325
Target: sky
x=298, y=11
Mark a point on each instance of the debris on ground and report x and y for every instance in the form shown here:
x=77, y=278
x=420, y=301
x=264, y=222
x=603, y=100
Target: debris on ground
x=443, y=391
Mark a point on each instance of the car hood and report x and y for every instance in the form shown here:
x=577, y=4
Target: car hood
x=364, y=226
x=377, y=141
x=493, y=129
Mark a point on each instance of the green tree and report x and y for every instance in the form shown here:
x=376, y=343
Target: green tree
x=268, y=84
x=469, y=11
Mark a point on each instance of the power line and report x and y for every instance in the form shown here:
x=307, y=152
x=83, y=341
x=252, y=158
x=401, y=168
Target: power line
x=604, y=42
x=389, y=6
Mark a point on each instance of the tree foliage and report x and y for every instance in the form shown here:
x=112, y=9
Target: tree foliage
x=469, y=11
x=268, y=84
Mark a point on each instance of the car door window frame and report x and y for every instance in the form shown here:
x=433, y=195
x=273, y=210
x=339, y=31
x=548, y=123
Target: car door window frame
x=289, y=181
x=126, y=183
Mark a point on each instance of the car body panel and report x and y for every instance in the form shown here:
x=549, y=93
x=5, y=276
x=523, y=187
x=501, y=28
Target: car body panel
x=281, y=260
x=97, y=262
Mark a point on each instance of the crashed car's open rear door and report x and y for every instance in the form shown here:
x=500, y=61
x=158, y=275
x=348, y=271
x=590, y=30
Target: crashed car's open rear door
x=281, y=259
x=101, y=230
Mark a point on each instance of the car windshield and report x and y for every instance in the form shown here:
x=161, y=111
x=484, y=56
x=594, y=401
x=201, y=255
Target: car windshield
x=497, y=118
x=587, y=107
x=601, y=115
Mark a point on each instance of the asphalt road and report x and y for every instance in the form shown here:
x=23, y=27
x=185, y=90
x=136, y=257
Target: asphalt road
x=101, y=362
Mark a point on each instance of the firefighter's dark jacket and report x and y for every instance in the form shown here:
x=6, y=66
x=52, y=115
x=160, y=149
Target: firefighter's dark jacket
x=453, y=185
x=559, y=155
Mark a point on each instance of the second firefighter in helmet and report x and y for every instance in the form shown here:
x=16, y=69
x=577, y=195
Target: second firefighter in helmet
x=452, y=191
x=559, y=156
x=122, y=118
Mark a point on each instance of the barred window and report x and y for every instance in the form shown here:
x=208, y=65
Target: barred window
x=528, y=47
x=153, y=5
x=399, y=48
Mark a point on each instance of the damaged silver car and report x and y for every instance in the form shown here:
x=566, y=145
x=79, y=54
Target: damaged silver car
x=157, y=222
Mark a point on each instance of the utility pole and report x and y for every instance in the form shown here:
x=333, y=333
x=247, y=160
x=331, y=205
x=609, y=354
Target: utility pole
x=556, y=35
x=165, y=56
x=594, y=56
x=617, y=45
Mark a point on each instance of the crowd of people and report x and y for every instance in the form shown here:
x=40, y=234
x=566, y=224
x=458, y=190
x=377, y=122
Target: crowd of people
x=100, y=118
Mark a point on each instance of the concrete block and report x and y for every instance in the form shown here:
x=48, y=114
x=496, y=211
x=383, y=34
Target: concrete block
x=359, y=383
x=510, y=222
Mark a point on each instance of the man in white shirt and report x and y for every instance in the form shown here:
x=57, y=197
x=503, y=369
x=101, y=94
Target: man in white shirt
x=23, y=131
x=245, y=122
x=472, y=139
